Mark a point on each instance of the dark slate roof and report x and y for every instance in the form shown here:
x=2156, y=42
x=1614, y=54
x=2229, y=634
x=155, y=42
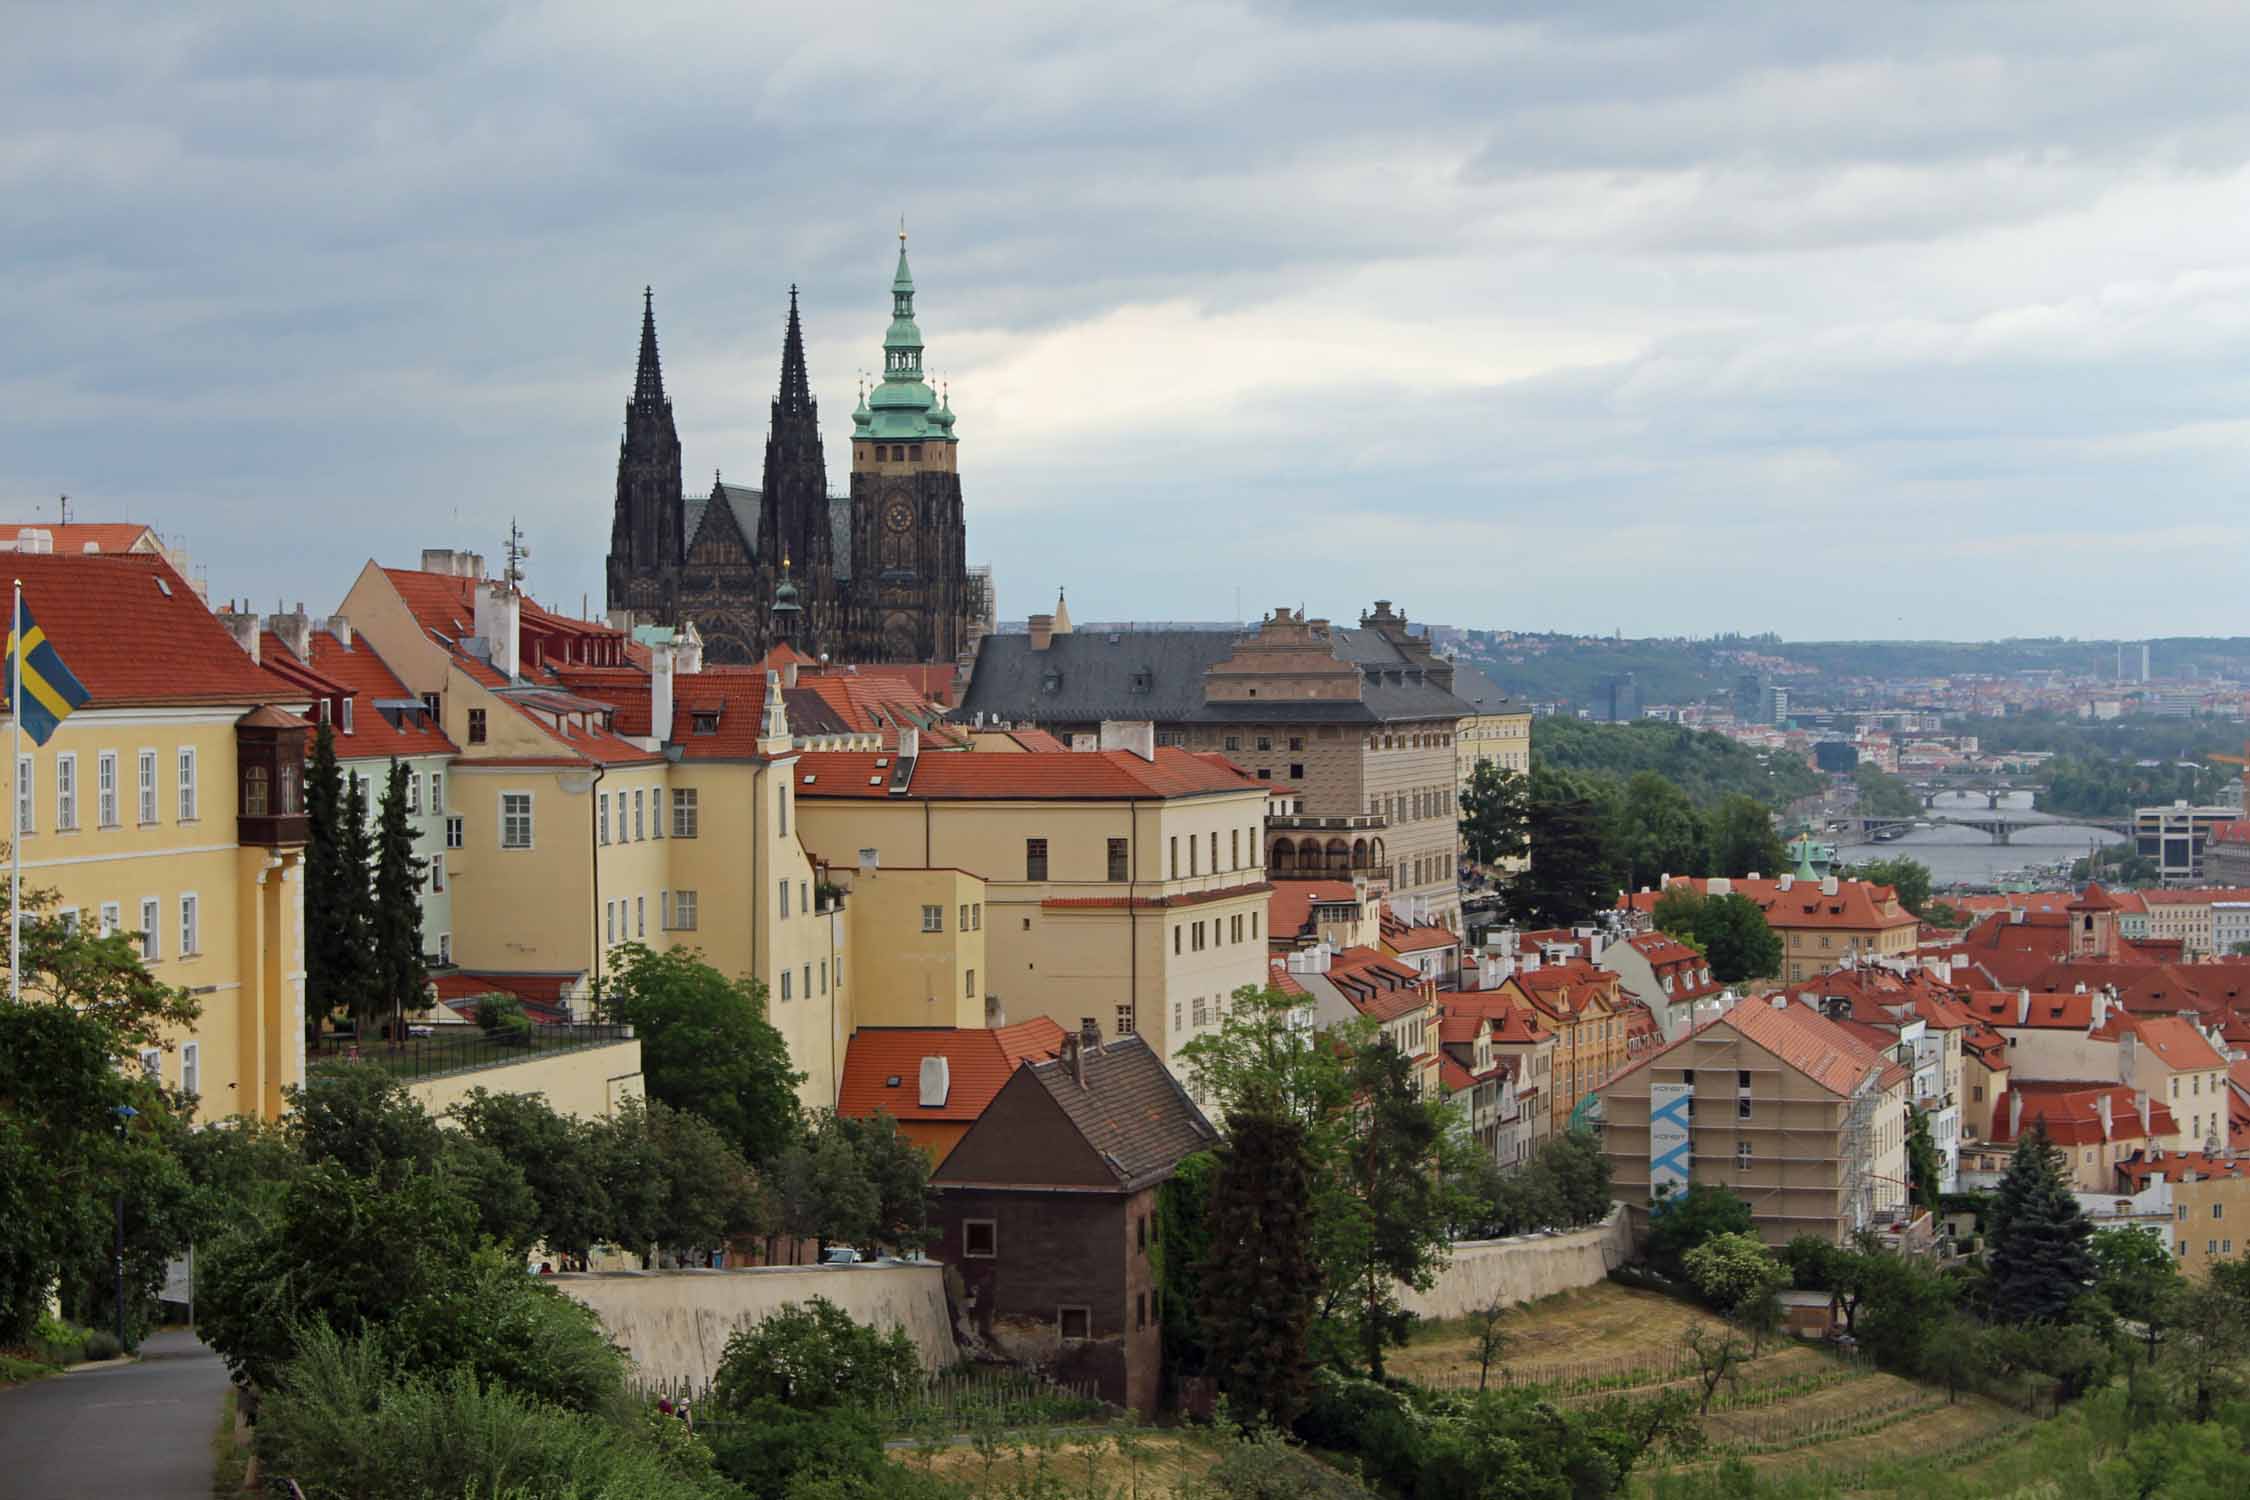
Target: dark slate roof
x=1131, y=1110
x=809, y=713
x=1095, y=674
x=1472, y=687
x=745, y=505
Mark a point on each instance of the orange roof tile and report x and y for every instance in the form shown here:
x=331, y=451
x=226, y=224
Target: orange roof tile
x=365, y=676
x=2177, y=1042
x=78, y=537
x=134, y=633
x=979, y=1063
x=1089, y=776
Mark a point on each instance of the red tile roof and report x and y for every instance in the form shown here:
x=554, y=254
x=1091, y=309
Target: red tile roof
x=2141, y=1166
x=1082, y=776
x=2072, y=1113
x=76, y=537
x=1802, y=1039
x=134, y=633
x=1289, y=908
x=978, y=1062
x=361, y=673
x=1856, y=905
x=2177, y=1042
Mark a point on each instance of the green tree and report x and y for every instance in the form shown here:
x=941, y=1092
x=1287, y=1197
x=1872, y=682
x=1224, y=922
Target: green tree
x=1925, y=1169
x=1654, y=831
x=362, y=1119
x=355, y=984
x=1732, y=932
x=1909, y=877
x=1391, y=1160
x=707, y=1046
x=1732, y=1269
x=1743, y=838
x=1183, y=1244
x=560, y=1159
x=2038, y=1259
x=1901, y=1308
x=1259, y=1286
x=401, y=978
x=1682, y=1221
x=1883, y=795
x=708, y=1194
x=1495, y=814
x=337, y=953
x=809, y=1356
x=1572, y=873
x=2136, y=1275
x=899, y=1171
x=825, y=1190
x=1676, y=912
x=2211, y=1341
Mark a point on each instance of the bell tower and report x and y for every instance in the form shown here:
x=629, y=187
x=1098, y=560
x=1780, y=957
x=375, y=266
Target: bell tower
x=646, y=539
x=909, y=543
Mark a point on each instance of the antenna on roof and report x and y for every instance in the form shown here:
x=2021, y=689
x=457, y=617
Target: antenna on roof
x=66, y=510
x=517, y=553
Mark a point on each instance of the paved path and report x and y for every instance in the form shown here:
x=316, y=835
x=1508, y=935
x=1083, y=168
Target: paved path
x=132, y=1432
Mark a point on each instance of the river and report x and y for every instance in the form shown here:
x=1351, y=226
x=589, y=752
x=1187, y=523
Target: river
x=1964, y=856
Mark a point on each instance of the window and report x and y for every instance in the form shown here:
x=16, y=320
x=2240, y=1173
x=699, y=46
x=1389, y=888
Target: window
x=454, y=833
x=187, y=783
x=152, y=1064
x=191, y=1067
x=976, y=916
x=962, y=924
x=69, y=918
x=437, y=791
x=1296, y=771
x=152, y=945
x=640, y=819
x=1073, y=1323
x=148, y=786
x=933, y=919
x=1125, y=1020
x=1195, y=942
x=1035, y=859
x=1195, y=864
x=112, y=918
x=1235, y=929
x=257, y=793
x=980, y=1239
x=437, y=872
x=824, y=976
x=1176, y=931
x=1265, y=742
x=515, y=820
x=347, y=715
x=1742, y=1109
x=1140, y=1299
x=190, y=933
x=66, y=793
x=1233, y=743
x=1118, y=854
x=2218, y=1210
x=609, y=921
x=1253, y=927
x=476, y=726
x=1296, y=742
x=781, y=808
x=1214, y=851
x=1175, y=847
x=414, y=791
x=601, y=818
x=785, y=898
x=105, y=788
x=683, y=813
x=786, y=978
x=444, y=949
x=969, y=986
x=25, y=821
x=640, y=916
x=1234, y=849
x=683, y=911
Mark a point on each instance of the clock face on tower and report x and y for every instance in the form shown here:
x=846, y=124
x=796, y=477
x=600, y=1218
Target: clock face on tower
x=899, y=516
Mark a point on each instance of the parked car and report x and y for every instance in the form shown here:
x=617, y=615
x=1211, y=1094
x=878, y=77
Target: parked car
x=841, y=1255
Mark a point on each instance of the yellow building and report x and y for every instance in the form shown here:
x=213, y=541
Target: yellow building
x=1498, y=734
x=1824, y=923
x=1122, y=886
x=171, y=806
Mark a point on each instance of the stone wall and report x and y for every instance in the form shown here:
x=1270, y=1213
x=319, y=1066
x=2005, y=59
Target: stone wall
x=1528, y=1266
x=588, y=1082
x=675, y=1324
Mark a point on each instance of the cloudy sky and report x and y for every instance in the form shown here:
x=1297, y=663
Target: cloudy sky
x=1922, y=320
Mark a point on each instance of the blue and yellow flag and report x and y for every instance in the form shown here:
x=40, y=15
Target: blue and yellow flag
x=50, y=692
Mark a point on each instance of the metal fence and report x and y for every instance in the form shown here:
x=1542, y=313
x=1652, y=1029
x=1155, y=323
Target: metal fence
x=459, y=1049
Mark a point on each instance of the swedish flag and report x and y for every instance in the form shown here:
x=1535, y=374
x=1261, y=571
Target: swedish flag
x=50, y=692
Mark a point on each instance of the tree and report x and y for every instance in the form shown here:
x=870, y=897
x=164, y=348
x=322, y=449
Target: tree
x=1572, y=874
x=1925, y=1169
x=1743, y=839
x=1655, y=831
x=1732, y=1269
x=1906, y=1305
x=706, y=1045
x=560, y=1159
x=708, y=1194
x=1267, y=1059
x=810, y=1356
x=1682, y=1221
x=1909, y=877
x=336, y=954
x=1259, y=1285
x=1719, y=1357
x=1676, y=911
x=1492, y=1336
x=354, y=985
x=1390, y=1162
x=2038, y=1258
x=1495, y=814
x=825, y=1190
x=2137, y=1276
x=362, y=1119
x=2211, y=1340
x=899, y=1171
x=1883, y=795
x=401, y=978
x=1733, y=934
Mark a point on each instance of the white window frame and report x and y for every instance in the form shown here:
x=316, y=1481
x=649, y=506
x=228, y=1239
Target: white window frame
x=687, y=813
x=933, y=918
x=348, y=715
x=445, y=948
x=105, y=788
x=684, y=911
x=149, y=805
x=152, y=1063
x=664, y=911
x=66, y=792
x=191, y=924
x=191, y=1067
x=188, y=783
x=640, y=815
x=437, y=872
x=27, y=796
x=437, y=793
x=414, y=793
x=601, y=818
x=786, y=976
x=152, y=930
x=529, y=816
x=784, y=900
x=456, y=831
x=112, y=919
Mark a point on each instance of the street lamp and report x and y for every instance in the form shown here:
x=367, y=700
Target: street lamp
x=125, y=1116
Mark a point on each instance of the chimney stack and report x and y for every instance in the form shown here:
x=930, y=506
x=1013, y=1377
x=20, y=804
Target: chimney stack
x=499, y=624
x=295, y=632
x=909, y=742
x=244, y=628
x=2015, y=1114
x=2102, y=1108
x=340, y=627
x=1042, y=631
x=660, y=692
x=1137, y=736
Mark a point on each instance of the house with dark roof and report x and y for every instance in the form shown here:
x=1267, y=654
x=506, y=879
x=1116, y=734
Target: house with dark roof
x=1047, y=1207
x=1362, y=721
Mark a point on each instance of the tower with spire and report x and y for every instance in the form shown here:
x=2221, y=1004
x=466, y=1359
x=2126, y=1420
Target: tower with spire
x=647, y=531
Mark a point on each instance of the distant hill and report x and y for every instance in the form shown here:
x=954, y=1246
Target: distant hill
x=1706, y=766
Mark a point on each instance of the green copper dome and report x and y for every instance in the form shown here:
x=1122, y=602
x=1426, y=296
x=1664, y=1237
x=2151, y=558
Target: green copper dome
x=901, y=407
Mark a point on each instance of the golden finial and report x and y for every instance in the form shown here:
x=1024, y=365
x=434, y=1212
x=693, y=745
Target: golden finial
x=902, y=231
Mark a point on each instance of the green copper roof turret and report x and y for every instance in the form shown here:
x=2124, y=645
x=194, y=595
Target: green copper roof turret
x=901, y=406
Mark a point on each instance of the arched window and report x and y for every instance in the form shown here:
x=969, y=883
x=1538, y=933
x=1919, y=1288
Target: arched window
x=1359, y=854
x=915, y=452
x=257, y=794
x=1284, y=855
x=1339, y=856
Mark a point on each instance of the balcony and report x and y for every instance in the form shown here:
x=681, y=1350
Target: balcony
x=1356, y=823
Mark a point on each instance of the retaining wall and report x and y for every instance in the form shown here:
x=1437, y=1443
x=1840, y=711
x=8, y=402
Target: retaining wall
x=1528, y=1266
x=675, y=1324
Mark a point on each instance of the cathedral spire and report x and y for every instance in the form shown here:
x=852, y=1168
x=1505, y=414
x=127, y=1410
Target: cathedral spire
x=648, y=380
x=796, y=388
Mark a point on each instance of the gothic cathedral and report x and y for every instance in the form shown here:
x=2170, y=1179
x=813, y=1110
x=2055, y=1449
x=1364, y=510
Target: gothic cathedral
x=880, y=575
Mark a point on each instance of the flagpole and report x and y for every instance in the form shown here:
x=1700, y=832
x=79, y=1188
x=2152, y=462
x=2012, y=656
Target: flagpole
x=15, y=796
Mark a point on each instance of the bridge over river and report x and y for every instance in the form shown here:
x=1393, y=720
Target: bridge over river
x=2001, y=825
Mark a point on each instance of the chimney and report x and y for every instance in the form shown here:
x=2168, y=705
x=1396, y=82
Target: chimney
x=295, y=631
x=909, y=742
x=1042, y=631
x=500, y=625
x=244, y=628
x=2141, y=1098
x=936, y=1082
x=2101, y=1010
x=1718, y=885
x=660, y=692
x=1828, y=886
x=2015, y=1114
x=1787, y=881
x=451, y=563
x=789, y=675
x=2015, y=916
x=1135, y=735
x=2102, y=1108
x=340, y=627
x=2023, y=1007
x=687, y=650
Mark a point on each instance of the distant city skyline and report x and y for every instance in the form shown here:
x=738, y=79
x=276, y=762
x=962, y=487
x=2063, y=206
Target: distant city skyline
x=1864, y=324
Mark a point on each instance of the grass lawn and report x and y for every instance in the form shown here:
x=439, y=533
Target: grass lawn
x=14, y=1371
x=230, y=1460
x=1167, y=1463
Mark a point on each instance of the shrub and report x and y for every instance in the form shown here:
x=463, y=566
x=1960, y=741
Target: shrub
x=496, y=1013
x=769, y=1448
x=344, y=1425
x=1685, y=1220
x=101, y=1344
x=502, y=1325
x=57, y=1342
x=812, y=1355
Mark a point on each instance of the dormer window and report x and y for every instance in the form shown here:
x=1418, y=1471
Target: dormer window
x=1050, y=682
x=704, y=723
x=1143, y=681
x=347, y=716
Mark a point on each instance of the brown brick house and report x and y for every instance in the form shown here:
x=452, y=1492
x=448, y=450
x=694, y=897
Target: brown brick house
x=1048, y=1208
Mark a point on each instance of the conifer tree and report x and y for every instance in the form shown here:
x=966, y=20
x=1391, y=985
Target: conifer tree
x=2040, y=1261
x=352, y=978
x=1260, y=1280
x=401, y=979
x=336, y=955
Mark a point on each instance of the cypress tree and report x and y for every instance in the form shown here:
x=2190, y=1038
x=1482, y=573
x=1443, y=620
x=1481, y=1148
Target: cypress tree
x=336, y=961
x=2040, y=1261
x=352, y=979
x=401, y=979
x=1259, y=1283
